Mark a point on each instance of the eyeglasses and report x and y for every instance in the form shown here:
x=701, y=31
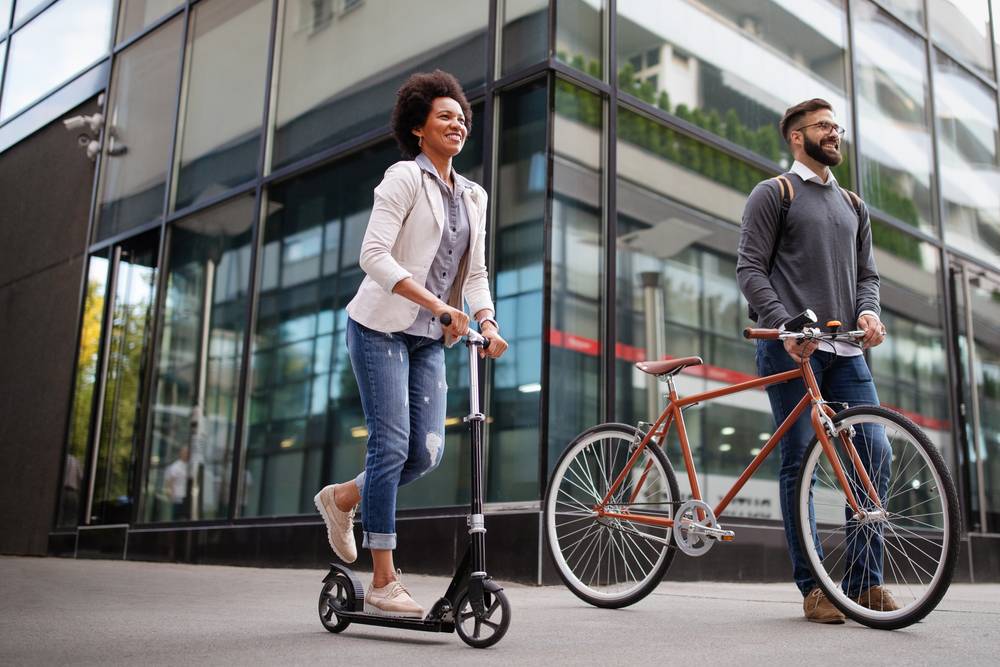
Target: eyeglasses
x=825, y=127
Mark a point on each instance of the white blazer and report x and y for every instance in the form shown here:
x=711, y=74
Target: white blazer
x=402, y=238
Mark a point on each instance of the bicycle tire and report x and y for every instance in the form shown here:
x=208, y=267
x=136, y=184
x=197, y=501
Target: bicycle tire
x=913, y=544
x=623, y=539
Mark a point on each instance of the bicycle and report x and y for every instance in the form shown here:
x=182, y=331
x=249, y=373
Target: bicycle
x=615, y=520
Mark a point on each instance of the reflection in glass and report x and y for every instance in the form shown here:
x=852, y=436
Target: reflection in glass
x=963, y=27
x=911, y=11
x=24, y=7
x=227, y=50
x=84, y=385
x=910, y=368
x=893, y=117
x=134, y=15
x=763, y=56
x=577, y=267
x=678, y=296
x=59, y=43
x=980, y=368
x=119, y=435
x=579, y=32
x=138, y=132
x=525, y=34
x=519, y=242
x=321, y=102
x=970, y=172
x=193, y=421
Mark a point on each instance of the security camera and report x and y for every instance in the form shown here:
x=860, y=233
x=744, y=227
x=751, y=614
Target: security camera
x=92, y=122
x=75, y=123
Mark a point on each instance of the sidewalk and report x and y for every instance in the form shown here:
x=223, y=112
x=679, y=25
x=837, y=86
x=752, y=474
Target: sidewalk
x=58, y=611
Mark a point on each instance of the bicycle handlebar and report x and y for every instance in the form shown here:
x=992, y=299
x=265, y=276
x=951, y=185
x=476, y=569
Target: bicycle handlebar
x=808, y=334
x=474, y=337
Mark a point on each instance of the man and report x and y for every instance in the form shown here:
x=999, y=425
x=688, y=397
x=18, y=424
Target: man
x=819, y=256
x=175, y=483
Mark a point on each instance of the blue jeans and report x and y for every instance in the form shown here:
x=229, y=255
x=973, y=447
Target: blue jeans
x=403, y=392
x=841, y=380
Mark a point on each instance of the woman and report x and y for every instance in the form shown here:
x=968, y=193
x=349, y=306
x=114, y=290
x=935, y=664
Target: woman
x=422, y=253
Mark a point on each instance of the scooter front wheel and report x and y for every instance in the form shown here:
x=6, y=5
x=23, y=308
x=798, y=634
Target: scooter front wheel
x=337, y=595
x=488, y=629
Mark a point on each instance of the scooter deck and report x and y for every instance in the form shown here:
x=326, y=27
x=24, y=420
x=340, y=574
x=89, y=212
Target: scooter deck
x=426, y=624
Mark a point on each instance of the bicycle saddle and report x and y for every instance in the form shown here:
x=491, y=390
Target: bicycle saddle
x=668, y=367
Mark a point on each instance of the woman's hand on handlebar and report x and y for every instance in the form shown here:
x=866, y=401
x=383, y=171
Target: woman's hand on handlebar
x=459, y=325
x=497, y=344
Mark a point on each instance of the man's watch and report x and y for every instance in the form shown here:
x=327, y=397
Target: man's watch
x=491, y=321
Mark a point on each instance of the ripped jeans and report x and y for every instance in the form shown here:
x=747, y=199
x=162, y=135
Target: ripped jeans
x=403, y=392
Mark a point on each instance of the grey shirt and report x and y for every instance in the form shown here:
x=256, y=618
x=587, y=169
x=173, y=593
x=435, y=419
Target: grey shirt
x=823, y=261
x=454, y=244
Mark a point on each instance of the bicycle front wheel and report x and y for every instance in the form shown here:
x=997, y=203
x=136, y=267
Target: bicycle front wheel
x=907, y=544
x=610, y=562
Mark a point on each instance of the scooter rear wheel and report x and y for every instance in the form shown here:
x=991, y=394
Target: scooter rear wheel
x=491, y=627
x=337, y=595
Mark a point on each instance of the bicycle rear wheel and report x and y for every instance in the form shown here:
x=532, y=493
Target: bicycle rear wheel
x=910, y=548
x=607, y=562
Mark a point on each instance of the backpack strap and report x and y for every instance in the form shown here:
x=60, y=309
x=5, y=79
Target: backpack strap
x=854, y=201
x=787, y=193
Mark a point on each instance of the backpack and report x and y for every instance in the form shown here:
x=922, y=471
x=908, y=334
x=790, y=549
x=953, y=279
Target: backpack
x=787, y=193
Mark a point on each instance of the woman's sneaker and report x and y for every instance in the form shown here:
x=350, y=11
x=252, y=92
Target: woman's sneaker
x=392, y=600
x=339, y=525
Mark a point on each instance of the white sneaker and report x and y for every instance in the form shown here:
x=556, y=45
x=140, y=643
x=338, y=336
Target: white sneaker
x=339, y=525
x=392, y=600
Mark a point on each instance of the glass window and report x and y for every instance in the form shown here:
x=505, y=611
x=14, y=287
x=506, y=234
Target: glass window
x=678, y=296
x=579, y=34
x=893, y=117
x=137, y=136
x=519, y=242
x=5, y=6
x=763, y=56
x=227, y=50
x=911, y=367
x=577, y=272
x=525, y=37
x=963, y=27
x=911, y=11
x=970, y=178
x=320, y=102
x=134, y=15
x=193, y=421
x=25, y=7
x=61, y=42
x=84, y=385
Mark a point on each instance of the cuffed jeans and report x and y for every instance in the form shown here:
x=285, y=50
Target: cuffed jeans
x=403, y=392
x=841, y=380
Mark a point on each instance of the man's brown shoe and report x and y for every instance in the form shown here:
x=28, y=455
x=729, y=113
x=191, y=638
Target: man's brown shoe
x=877, y=598
x=819, y=609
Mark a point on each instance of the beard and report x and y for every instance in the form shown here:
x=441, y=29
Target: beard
x=816, y=152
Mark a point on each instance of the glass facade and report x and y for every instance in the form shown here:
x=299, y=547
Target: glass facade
x=55, y=46
x=242, y=144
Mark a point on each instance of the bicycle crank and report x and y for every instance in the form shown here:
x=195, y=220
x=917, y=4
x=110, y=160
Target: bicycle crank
x=696, y=529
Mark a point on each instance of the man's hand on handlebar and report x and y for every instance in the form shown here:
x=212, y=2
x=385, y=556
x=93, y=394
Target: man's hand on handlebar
x=497, y=344
x=800, y=350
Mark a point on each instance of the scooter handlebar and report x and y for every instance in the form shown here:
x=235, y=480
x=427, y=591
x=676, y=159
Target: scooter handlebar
x=475, y=338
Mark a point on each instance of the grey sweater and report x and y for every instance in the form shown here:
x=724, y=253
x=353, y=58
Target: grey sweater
x=822, y=261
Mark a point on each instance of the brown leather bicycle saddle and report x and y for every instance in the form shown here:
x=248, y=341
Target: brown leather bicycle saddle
x=669, y=367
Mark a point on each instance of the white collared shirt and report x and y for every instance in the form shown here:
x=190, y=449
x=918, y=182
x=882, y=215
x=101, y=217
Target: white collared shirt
x=842, y=348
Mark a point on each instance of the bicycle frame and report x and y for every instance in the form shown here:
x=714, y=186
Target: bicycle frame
x=820, y=412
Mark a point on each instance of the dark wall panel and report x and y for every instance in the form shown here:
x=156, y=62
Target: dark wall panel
x=45, y=186
x=45, y=189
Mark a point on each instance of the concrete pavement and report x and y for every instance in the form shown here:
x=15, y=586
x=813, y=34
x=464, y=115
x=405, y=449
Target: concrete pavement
x=59, y=611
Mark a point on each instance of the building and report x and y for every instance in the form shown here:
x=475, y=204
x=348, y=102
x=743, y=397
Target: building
x=176, y=265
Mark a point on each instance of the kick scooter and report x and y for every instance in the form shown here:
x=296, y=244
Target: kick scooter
x=474, y=605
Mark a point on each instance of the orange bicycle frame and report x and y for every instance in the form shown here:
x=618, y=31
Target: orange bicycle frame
x=673, y=413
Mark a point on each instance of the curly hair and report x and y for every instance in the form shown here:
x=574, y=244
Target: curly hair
x=413, y=104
